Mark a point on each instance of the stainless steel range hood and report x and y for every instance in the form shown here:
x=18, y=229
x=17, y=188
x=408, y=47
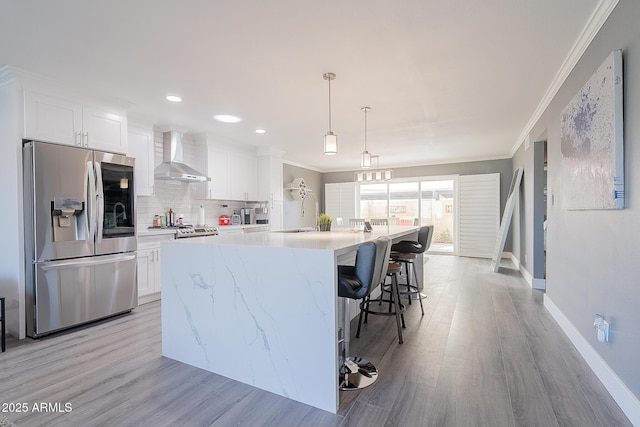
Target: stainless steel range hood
x=172, y=166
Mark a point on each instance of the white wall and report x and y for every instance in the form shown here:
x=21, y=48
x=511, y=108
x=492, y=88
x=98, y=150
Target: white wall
x=11, y=249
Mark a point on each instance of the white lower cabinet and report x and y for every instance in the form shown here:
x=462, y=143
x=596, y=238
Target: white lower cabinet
x=149, y=258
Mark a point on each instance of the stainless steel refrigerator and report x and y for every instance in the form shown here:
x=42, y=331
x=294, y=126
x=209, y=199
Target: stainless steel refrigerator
x=79, y=236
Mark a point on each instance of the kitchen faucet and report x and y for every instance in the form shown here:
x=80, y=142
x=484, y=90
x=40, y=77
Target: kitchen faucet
x=124, y=211
x=315, y=226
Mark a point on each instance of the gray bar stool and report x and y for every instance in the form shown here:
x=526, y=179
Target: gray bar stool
x=406, y=252
x=357, y=282
x=395, y=308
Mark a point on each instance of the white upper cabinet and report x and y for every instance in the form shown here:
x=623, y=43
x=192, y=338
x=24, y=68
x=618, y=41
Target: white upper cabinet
x=244, y=176
x=53, y=119
x=270, y=181
x=140, y=142
x=233, y=172
x=218, y=171
x=104, y=130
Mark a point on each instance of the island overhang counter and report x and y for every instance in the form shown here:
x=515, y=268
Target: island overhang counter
x=261, y=308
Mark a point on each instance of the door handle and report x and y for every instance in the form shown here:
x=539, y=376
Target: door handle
x=87, y=262
x=99, y=202
x=91, y=202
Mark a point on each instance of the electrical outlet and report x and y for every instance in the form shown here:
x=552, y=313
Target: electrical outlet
x=602, y=328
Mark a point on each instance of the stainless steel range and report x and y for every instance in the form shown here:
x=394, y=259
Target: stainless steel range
x=198, y=231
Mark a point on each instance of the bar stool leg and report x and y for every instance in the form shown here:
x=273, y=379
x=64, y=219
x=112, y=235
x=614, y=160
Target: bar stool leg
x=364, y=312
x=395, y=295
x=407, y=268
x=417, y=293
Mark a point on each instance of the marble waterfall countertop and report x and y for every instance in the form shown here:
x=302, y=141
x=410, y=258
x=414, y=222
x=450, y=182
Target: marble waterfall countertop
x=261, y=308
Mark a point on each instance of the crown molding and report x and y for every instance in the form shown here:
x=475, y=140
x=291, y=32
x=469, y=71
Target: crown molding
x=301, y=165
x=589, y=32
x=8, y=74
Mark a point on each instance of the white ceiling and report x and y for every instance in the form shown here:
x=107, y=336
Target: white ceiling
x=446, y=81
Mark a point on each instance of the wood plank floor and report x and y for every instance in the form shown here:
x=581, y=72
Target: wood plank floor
x=485, y=353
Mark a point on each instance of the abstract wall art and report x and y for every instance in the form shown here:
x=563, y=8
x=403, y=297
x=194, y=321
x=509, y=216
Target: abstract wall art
x=592, y=141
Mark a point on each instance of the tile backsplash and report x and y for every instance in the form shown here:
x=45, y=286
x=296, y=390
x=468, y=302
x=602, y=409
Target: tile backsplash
x=184, y=198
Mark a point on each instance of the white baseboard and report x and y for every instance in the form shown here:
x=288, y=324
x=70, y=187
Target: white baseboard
x=540, y=284
x=149, y=298
x=534, y=283
x=627, y=401
x=515, y=260
x=527, y=276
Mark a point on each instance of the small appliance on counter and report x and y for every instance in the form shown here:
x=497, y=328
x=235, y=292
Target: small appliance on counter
x=235, y=218
x=171, y=218
x=261, y=215
x=247, y=216
x=224, y=220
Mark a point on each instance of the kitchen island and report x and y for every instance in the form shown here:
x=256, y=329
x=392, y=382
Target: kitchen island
x=261, y=308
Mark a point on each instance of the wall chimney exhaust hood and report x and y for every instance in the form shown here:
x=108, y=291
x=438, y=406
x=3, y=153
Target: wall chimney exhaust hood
x=172, y=166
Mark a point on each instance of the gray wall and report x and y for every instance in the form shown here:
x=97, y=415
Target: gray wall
x=592, y=255
x=528, y=237
x=291, y=207
x=503, y=167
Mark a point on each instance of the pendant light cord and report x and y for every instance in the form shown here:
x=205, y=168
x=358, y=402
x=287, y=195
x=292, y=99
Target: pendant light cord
x=329, y=80
x=365, y=128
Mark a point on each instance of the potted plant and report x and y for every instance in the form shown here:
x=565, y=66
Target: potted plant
x=324, y=222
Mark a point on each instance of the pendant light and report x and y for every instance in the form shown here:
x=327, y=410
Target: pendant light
x=330, y=139
x=365, y=160
x=374, y=175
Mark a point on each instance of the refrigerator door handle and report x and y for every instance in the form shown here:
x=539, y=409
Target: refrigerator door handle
x=91, y=202
x=100, y=201
x=87, y=262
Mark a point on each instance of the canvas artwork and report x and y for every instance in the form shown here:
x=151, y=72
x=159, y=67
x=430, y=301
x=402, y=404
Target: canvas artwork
x=592, y=143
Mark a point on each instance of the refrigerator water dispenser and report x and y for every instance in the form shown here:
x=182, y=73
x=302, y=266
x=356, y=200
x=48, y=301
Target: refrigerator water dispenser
x=64, y=217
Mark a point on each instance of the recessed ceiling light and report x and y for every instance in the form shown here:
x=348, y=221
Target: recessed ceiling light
x=173, y=98
x=226, y=118
x=261, y=131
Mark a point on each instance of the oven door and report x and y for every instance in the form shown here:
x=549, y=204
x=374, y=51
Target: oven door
x=115, y=197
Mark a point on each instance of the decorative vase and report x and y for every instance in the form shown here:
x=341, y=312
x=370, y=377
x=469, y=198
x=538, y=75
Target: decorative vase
x=325, y=227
